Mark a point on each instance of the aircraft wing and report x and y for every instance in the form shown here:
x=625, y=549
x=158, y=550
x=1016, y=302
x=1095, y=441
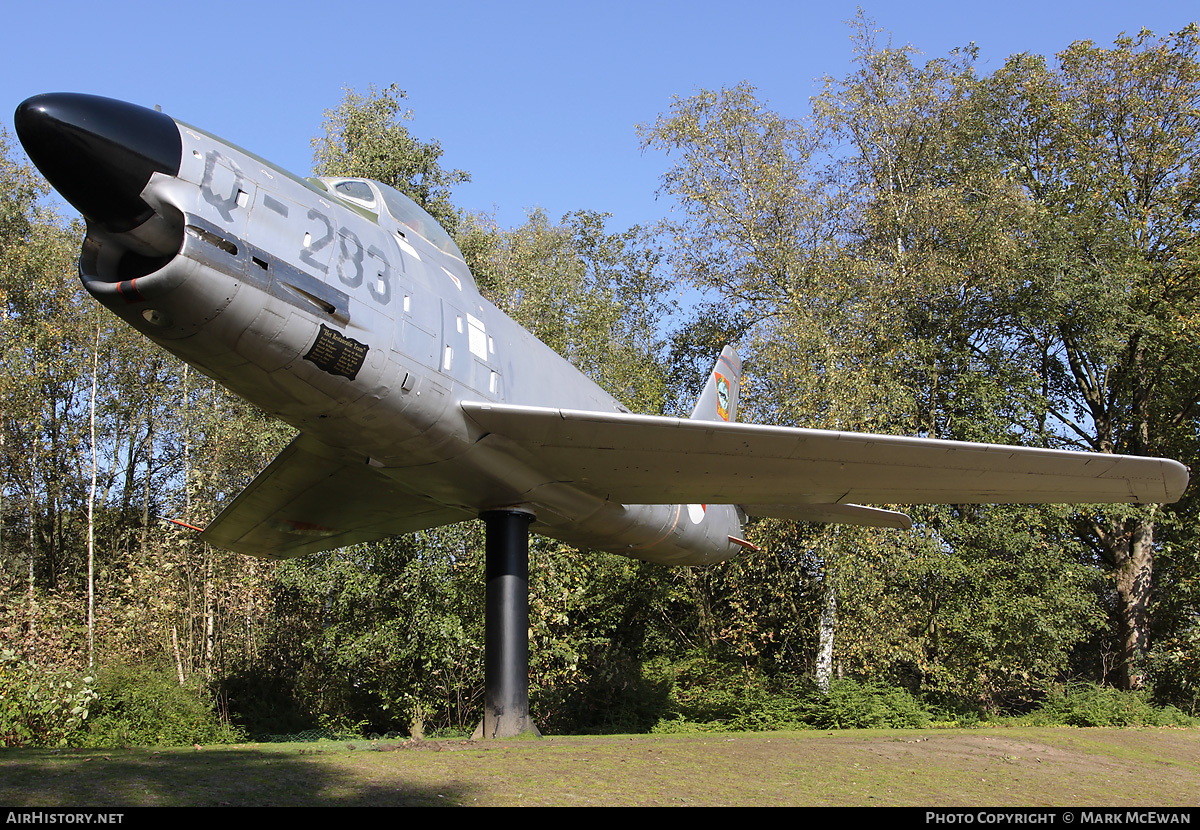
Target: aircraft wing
x=642, y=459
x=313, y=498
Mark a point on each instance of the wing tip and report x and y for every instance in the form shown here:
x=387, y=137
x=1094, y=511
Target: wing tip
x=1175, y=479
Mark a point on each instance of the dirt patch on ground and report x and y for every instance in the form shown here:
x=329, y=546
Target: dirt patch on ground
x=970, y=749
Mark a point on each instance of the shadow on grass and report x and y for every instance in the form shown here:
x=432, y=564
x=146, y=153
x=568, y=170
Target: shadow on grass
x=293, y=775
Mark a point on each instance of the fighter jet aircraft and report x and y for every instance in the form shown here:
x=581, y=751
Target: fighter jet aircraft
x=341, y=307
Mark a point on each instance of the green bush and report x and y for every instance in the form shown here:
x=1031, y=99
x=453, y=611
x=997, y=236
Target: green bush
x=1086, y=704
x=1173, y=668
x=40, y=707
x=145, y=706
x=706, y=694
x=263, y=702
x=853, y=705
x=613, y=697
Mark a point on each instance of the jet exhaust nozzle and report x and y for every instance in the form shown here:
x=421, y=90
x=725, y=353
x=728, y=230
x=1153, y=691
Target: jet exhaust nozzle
x=99, y=153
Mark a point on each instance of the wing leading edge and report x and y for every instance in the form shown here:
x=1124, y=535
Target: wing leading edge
x=642, y=459
x=312, y=498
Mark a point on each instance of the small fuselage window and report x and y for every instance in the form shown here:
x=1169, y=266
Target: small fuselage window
x=358, y=191
x=399, y=207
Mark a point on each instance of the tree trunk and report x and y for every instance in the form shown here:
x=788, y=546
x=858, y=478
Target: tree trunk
x=1129, y=547
x=825, y=650
x=31, y=624
x=91, y=512
x=178, y=658
x=209, y=613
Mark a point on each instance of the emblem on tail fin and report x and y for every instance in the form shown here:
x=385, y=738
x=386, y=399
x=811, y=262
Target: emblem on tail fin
x=722, y=396
x=718, y=399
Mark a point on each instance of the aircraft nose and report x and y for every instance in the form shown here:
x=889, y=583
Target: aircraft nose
x=99, y=153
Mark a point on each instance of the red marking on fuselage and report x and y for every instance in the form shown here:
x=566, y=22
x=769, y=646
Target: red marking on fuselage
x=128, y=290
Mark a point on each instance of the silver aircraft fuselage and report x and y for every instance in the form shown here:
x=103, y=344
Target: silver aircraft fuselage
x=342, y=308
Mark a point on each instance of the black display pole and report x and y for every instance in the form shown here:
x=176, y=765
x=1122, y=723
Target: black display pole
x=506, y=626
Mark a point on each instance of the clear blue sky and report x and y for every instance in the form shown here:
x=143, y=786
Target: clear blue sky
x=539, y=101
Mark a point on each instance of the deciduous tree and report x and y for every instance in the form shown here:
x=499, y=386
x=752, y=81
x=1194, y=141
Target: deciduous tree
x=1106, y=147
x=365, y=137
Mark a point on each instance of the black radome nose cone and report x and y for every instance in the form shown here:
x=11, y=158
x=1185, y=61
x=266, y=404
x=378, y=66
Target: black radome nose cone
x=99, y=153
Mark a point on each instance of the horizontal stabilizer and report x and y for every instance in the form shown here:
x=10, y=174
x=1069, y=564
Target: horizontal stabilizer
x=841, y=514
x=642, y=459
x=312, y=498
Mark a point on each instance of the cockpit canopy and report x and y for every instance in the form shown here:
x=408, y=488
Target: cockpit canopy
x=380, y=197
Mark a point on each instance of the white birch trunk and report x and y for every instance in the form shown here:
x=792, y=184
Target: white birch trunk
x=825, y=650
x=91, y=510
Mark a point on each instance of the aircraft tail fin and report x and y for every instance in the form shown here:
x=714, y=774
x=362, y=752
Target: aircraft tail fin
x=719, y=398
